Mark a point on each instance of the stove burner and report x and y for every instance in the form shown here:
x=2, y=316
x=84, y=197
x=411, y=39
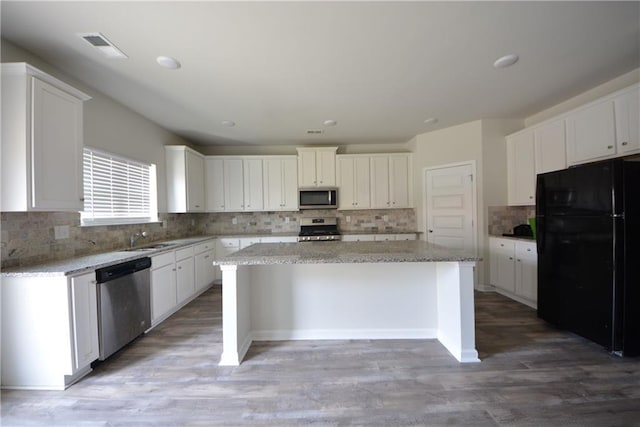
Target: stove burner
x=318, y=229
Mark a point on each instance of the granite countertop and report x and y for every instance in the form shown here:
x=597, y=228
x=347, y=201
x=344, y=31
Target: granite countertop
x=522, y=238
x=79, y=265
x=343, y=252
x=359, y=232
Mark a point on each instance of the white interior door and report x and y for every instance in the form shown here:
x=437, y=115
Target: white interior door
x=450, y=210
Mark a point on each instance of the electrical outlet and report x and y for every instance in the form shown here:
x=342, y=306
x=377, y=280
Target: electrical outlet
x=348, y=218
x=164, y=224
x=385, y=218
x=234, y=220
x=61, y=232
x=286, y=220
x=193, y=222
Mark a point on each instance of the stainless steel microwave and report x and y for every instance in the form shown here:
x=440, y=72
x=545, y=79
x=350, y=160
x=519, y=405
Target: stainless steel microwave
x=318, y=198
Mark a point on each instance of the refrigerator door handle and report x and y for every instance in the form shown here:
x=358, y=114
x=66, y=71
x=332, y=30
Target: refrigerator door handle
x=540, y=234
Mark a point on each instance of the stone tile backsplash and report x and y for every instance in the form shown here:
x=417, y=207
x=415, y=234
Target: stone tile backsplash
x=384, y=220
x=502, y=219
x=28, y=238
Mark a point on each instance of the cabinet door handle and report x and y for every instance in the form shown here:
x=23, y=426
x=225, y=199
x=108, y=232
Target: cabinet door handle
x=609, y=147
x=511, y=258
x=625, y=143
x=207, y=257
x=430, y=231
x=197, y=206
x=531, y=197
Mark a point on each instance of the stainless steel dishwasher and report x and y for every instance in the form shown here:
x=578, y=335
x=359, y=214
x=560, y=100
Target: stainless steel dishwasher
x=124, y=304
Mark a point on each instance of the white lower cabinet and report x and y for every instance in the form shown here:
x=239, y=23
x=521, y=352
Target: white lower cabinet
x=84, y=306
x=513, y=269
x=378, y=237
x=185, y=274
x=178, y=276
x=204, y=269
x=163, y=286
x=49, y=330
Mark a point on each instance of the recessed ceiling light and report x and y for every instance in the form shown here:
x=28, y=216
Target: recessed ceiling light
x=229, y=123
x=168, y=62
x=100, y=42
x=430, y=121
x=329, y=123
x=506, y=61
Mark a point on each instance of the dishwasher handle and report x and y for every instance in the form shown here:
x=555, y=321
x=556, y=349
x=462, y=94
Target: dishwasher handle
x=116, y=271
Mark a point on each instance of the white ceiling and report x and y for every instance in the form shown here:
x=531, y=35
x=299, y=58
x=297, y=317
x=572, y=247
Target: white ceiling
x=378, y=68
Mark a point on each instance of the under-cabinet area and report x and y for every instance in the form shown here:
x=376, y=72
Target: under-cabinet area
x=513, y=269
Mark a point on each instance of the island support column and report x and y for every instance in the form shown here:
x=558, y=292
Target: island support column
x=236, y=314
x=456, y=315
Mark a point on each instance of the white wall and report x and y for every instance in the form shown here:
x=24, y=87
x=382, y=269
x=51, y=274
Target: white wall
x=481, y=141
x=109, y=125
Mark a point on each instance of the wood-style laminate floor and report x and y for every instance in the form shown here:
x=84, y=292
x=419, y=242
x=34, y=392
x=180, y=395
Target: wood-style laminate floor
x=530, y=374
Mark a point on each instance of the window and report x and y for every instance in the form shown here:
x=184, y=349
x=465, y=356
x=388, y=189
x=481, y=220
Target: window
x=117, y=190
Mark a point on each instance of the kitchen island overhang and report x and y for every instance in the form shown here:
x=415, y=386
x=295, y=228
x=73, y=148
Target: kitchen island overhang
x=347, y=290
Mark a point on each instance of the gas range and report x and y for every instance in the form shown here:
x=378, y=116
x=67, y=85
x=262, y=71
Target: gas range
x=318, y=230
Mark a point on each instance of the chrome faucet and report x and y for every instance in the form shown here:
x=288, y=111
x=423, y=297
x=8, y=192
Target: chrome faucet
x=136, y=236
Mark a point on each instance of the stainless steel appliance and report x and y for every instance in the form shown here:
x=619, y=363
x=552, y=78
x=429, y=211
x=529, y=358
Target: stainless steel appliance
x=124, y=304
x=318, y=198
x=588, y=223
x=318, y=229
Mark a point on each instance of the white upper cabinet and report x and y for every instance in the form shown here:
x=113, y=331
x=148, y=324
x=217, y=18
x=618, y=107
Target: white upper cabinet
x=317, y=167
x=591, y=133
x=354, y=181
x=185, y=179
x=234, y=184
x=521, y=169
x=530, y=152
x=214, y=184
x=627, y=114
x=253, y=188
x=391, y=181
x=550, y=147
x=42, y=141
x=280, y=178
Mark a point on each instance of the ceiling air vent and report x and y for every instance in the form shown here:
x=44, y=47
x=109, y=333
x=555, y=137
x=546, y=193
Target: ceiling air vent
x=315, y=131
x=100, y=42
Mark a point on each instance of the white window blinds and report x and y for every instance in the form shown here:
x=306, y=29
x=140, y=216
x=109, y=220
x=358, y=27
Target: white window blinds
x=117, y=189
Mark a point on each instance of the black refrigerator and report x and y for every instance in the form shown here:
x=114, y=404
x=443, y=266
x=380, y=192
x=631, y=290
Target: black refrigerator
x=588, y=238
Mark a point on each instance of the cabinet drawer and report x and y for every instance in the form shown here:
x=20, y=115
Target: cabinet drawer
x=357, y=238
x=502, y=245
x=526, y=250
x=158, y=261
x=230, y=243
x=283, y=239
x=203, y=247
x=184, y=253
x=408, y=236
x=248, y=242
x=384, y=237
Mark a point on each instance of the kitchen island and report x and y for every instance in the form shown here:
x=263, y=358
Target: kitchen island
x=347, y=290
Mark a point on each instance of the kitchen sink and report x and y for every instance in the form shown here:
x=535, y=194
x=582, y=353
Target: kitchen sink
x=150, y=247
